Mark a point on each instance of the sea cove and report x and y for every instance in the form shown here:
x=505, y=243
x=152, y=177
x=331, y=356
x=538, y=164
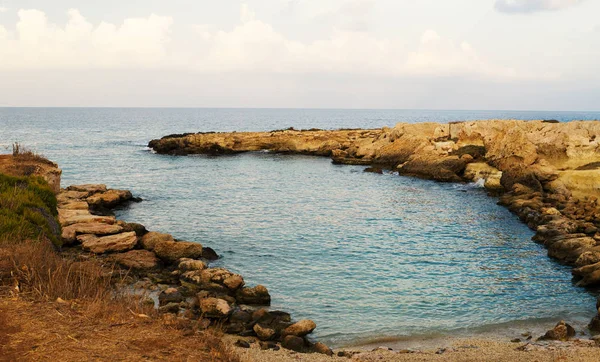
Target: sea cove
x=364, y=255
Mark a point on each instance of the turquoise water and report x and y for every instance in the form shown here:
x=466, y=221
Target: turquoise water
x=364, y=255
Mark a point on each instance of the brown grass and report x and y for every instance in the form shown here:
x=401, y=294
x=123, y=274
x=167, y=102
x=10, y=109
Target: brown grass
x=23, y=154
x=54, y=308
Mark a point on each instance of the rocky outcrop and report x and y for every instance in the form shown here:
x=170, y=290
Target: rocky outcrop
x=546, y=172
x=108, y=244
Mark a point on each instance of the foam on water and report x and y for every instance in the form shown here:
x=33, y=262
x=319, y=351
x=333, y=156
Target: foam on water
x=364, y=255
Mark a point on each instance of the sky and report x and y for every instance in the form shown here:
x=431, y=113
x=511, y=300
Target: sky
x=411, y=54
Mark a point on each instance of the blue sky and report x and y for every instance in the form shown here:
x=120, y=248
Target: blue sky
x=451, y=54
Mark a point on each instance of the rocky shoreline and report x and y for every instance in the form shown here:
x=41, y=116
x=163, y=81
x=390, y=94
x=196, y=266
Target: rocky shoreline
x=545, y=172
x=176, y=273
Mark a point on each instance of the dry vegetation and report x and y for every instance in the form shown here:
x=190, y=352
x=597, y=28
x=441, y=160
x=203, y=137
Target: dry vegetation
x=64, y=309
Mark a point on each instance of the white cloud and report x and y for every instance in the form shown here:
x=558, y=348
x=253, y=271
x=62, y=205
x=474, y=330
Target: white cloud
x=251, y=46
x=36, y=43
x=531, y=6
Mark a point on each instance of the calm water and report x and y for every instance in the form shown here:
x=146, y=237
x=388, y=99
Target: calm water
x=364, y=255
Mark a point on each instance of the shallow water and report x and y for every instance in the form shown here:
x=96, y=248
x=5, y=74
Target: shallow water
x=364, y=255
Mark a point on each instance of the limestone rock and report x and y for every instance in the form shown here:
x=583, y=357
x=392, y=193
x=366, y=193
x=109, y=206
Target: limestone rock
x=213, y=279
x=215, y=307
x=108, y=244
x=263, y=333
x=170, y=295
x=187, y=264
x=259, y=295
x=153, y=238
x=171, y=251
x=109, y=198
x=561, y=332
x=137, y=260
x=69, y=233
x=590, y=274
x=323, y=349
x=293, y=343
x=89, y=188
x=85, y=218
x=301, y=328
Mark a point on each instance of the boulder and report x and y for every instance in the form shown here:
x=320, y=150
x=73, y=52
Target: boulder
x=590, y=275
x=69, y=233
x=75, y=205
x=171, y=251
x=86, y=218
x=137, y=260
x=186, y=264
x=89, y=188
x=323, y=349
x=594, y=325
x=293, y=343
x=209, y=254
x=561, y=332
x=263, y=333
x=301, y=328
x=591, y=256
x=215, y=308
x=170, y=295
x=218, y=280
x=140, y=230
x=569, y=250
x=153, y=238
x=109, y=198
x=108, y=244
x=259, y=295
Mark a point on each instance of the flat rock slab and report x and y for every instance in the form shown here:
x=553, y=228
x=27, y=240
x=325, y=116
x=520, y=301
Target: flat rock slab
x=108, y=244
x=68, y=196
x=87, y=218
x=69, y=233
x=90, y=188
x=137, y=259
x=109, y=198
x=75, y=205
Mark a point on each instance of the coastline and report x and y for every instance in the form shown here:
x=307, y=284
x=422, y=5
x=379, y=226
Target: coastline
x=575, y=237
x=542, y=171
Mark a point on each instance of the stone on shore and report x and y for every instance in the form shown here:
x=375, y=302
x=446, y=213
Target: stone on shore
x=75, y=205
x=187, y=264
x=108, y=244
x=153, y=238
x=590, y=275
x=170, y=295
x=171, y=251
x=86, y=218
x=293, y=343
x=263, y=333
x=137, y=260
x=323, y=349
x=109, y=198
x=218, y=280
x=258, y=295
x=561, y=332
x=89, y=188
x=300, y=329
x=215, y=308
x=69, y=233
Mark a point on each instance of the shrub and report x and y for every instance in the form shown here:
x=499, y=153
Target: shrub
x=27, y=210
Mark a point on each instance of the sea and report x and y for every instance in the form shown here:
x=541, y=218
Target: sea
x=370, y=258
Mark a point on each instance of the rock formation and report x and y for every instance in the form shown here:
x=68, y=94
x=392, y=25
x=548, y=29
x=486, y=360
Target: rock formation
x=547, y=173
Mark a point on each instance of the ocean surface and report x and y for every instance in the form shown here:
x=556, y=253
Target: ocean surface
x=366, y=256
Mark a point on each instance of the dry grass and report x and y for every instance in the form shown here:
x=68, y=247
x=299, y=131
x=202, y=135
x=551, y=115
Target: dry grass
x=23, y=154
x=53, y=308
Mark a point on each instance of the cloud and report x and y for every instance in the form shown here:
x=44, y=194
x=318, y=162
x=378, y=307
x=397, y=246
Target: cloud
x=36, y=43
x=532, y=6
x=251, y=46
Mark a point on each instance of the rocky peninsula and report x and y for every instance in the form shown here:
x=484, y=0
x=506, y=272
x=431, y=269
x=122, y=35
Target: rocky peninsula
x=544, y=171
